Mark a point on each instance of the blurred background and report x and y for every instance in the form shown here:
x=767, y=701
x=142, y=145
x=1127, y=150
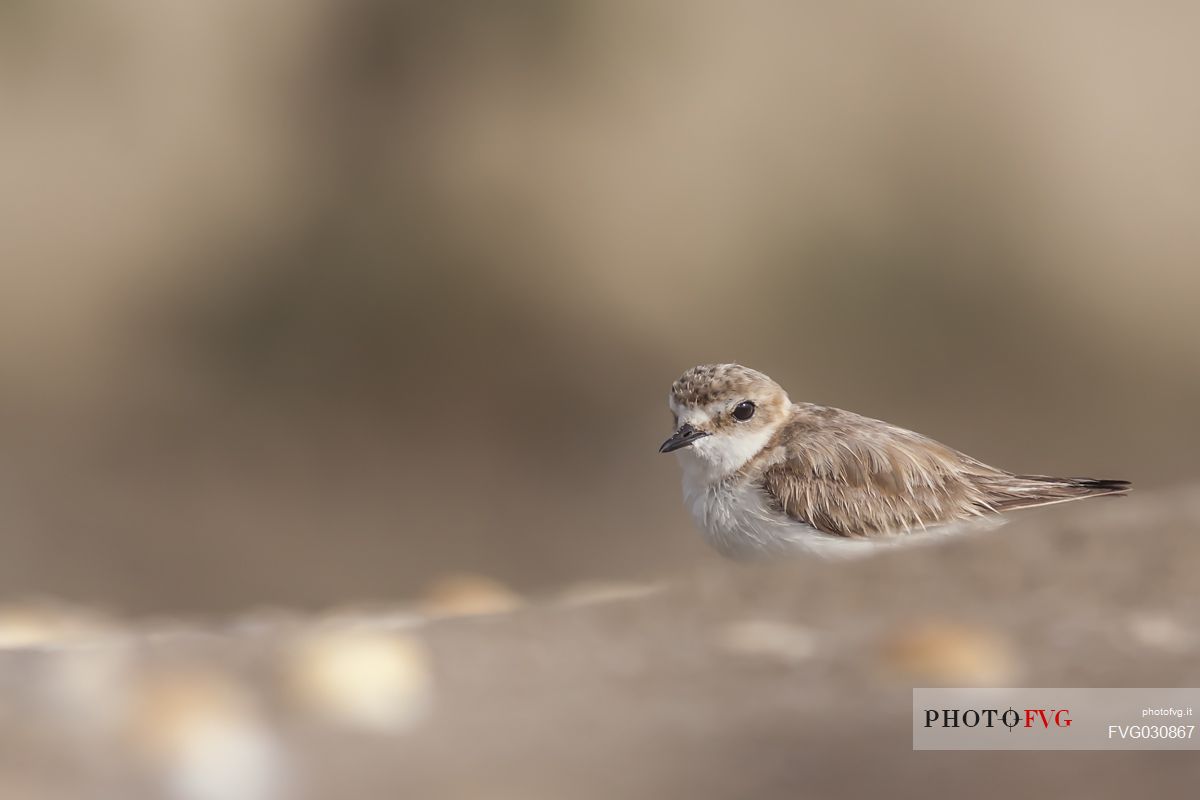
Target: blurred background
x=366, y=310
x=312, y=302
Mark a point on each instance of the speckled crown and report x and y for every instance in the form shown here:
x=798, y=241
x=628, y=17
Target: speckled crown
x=708, y=383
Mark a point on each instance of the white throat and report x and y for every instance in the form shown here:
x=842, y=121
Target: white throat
x=712, y=459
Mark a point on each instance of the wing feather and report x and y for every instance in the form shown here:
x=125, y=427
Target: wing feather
x=853, y=476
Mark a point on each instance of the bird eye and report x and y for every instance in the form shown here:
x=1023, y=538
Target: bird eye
x=743, y=411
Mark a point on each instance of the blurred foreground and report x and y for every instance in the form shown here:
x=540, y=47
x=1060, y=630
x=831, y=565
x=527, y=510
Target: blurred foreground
x=790, y=680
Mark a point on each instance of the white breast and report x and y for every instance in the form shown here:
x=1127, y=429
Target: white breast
x=738, y=521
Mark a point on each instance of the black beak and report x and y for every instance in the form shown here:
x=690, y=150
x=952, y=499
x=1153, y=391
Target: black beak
x=682, y=438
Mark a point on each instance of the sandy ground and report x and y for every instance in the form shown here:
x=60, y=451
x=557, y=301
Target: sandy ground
x=782, y=680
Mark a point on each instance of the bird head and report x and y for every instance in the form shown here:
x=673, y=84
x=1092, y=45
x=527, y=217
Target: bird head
x=724, y=415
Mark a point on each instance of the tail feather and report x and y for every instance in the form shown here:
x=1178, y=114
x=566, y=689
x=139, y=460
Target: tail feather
x=1011, y=492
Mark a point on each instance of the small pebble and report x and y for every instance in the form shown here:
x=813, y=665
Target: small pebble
x=202, y=734
x=944, y=653
x=779, y=641
x=599, y=592
x=1160, y=632
x=467, y=594
x=369, y=679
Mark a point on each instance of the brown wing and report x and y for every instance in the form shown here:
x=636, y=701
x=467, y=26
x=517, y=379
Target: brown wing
x=852, y=476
